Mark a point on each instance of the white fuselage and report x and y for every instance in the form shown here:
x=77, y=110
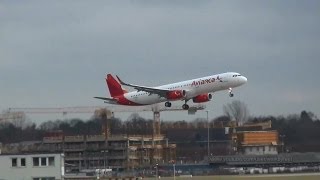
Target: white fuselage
x=193, y=87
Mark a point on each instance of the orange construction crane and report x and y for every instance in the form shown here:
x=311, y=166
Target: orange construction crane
x=156, y=109
x=92, y=109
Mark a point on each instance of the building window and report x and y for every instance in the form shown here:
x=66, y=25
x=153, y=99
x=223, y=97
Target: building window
x=35, y=161
x=14, y=162
x=51, y=161
x=23, y=162
x=43, y=161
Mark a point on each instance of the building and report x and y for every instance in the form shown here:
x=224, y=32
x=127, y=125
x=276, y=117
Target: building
x=256, y=142
x=277, y=160
x=116, y=152
x=192, y=144
x=32, y=166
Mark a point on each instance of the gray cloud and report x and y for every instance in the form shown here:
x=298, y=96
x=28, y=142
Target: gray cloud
x=57, y=53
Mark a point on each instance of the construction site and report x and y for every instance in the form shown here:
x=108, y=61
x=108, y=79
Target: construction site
x=100, y=151
x=199, y=149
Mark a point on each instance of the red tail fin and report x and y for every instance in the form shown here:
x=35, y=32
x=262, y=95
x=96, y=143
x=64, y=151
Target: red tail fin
x=115, y=88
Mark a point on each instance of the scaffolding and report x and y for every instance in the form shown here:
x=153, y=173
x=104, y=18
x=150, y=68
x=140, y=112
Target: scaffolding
x=107, y=149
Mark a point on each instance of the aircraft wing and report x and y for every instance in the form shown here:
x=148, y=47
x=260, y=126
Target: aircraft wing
x=150, y=90
x=107, y=100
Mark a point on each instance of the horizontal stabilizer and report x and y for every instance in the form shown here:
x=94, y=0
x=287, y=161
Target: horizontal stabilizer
x=108, y=100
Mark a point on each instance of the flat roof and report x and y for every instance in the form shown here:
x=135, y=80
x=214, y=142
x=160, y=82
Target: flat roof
x=288, y=158
x=30, y=153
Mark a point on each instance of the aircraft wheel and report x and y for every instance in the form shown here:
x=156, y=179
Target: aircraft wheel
x=185, y=106
x=231, y=94
x=167, y=104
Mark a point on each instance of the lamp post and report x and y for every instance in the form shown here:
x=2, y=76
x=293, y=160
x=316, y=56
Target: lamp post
x=208, y=133
x=282, y=142
x=157, y=171
x=173, y=162
x=174, y=171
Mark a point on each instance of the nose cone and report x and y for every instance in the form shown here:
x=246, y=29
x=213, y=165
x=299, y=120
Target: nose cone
x=243, y=80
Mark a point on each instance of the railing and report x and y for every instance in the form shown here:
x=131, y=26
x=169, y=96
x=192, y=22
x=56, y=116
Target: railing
x=74, y=138
x=95, y=138
x=74, y=147
x=136, y=136
x=116, y=154
x=118, y=146
x=133, y=157
x=117, y=157
x=52, y=139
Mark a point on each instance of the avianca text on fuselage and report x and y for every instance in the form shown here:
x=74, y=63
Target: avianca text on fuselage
x=199, y=90
x=205, y=81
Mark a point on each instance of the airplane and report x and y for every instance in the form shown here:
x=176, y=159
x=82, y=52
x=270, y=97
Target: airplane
x=199, y=90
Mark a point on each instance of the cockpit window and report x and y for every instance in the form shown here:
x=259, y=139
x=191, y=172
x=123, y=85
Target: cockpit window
x=236, y=75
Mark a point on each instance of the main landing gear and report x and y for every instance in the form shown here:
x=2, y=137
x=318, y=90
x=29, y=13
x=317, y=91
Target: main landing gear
x=167, y=104
x=230, y=92
x=185, y=106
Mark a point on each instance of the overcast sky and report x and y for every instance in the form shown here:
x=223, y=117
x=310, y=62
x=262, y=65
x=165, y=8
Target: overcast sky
x=56, y=53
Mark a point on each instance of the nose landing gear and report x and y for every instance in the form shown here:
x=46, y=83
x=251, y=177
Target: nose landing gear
x=230, y=92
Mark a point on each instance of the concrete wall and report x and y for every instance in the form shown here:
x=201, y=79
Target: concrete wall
x=8, y=171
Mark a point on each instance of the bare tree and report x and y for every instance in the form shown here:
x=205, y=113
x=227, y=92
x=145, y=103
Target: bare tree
x=237, y=111
x=19, y=119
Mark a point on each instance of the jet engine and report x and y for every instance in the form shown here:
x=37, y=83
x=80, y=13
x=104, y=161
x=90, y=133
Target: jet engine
x=202, y=98
x=176, y=94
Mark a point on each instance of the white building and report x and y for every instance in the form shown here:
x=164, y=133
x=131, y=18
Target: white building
x=267, y=149
x=32, y=166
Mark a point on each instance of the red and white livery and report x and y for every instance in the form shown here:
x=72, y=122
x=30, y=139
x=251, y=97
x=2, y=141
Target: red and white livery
x=199, y=90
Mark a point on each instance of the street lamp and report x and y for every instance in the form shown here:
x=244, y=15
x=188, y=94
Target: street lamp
x=208, y=133
x=157, y=171
x=174, y=171
x=173, y=162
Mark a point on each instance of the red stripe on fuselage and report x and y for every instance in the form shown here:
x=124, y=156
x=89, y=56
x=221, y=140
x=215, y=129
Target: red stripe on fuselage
x=124, y=101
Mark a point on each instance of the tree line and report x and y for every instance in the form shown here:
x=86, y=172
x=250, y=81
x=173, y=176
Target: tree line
x=300, y=132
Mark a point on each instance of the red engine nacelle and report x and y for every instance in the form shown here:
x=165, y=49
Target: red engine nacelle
x=202, y=98
x=176, y=94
